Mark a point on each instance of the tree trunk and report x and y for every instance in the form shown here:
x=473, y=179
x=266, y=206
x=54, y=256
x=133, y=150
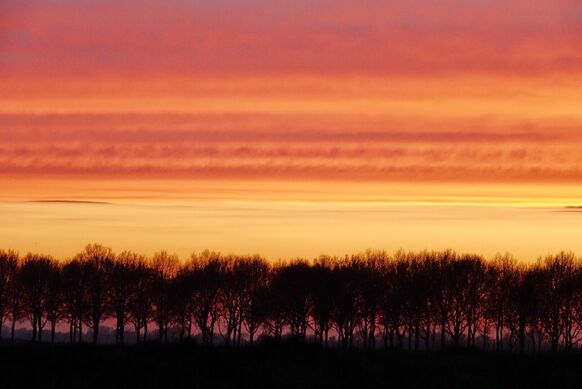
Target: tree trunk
x=13, y=328
x=34, y=328
x=522, y=336
x=95, y=329
x=39, y=329
x=239, y=336
x=443, y=335
x=53, y=325
x=122, y=332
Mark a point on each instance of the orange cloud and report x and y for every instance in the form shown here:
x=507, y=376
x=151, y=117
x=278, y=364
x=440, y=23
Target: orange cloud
x=255, y=146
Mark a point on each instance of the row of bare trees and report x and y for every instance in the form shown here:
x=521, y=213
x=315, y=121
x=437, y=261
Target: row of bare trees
x=426, y=300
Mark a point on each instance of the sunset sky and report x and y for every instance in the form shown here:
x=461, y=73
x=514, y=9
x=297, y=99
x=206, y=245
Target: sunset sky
x=291, y=128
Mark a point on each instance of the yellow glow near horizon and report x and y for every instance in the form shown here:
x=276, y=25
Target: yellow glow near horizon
x=286, y=219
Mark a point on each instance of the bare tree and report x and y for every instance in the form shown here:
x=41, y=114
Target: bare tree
x=345, y=314
x=322, y=298
x=97, y=262
x=206, y=273
x=501, y=275
x=75, y=300
x=34, y=277
x=8, y=264
x=54, y=298
x=15, y=299
x=290, y=285
x=557, y=308
x=140, y=279
x=121, y=287
x=252, y=278
x=165, y=268
x=368, y=267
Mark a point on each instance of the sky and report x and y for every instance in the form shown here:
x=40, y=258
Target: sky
x=291, y=128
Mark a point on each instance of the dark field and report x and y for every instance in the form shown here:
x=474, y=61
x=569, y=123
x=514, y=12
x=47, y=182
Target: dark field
x=272, y=365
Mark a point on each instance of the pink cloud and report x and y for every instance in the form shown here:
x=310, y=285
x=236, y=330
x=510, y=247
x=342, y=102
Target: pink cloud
x=413, y=149
x=392, y=37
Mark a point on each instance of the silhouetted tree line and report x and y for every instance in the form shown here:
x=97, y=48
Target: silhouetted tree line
x=427, y=300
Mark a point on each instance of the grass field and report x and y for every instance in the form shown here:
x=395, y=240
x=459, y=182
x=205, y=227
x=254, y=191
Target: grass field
x=272, y=365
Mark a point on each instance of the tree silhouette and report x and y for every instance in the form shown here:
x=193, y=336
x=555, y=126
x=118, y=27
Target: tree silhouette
x=181, y=303
x=230, y=301
x=425, y=300
x=206, y=273
x=8, y=265
x=97, y=262
x=345, y=314
x=14, y=298
x=140, y=301
x=502, y=275
x=74, y=298
x=165, y=268
x=369, y=283
x=253, y=276
x=290, y=291
x=35, y=279
x=121, y=289
x=557, y=306
x=54, y=306
x=322, y=298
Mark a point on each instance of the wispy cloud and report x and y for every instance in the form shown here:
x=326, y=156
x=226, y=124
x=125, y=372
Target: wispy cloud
x=292, y=146
x=62, y=201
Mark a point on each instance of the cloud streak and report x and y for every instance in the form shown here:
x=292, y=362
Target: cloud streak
x=412, y=149
x=281, y=36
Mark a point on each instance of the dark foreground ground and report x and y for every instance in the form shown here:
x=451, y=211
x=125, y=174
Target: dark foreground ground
x=287, y=365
